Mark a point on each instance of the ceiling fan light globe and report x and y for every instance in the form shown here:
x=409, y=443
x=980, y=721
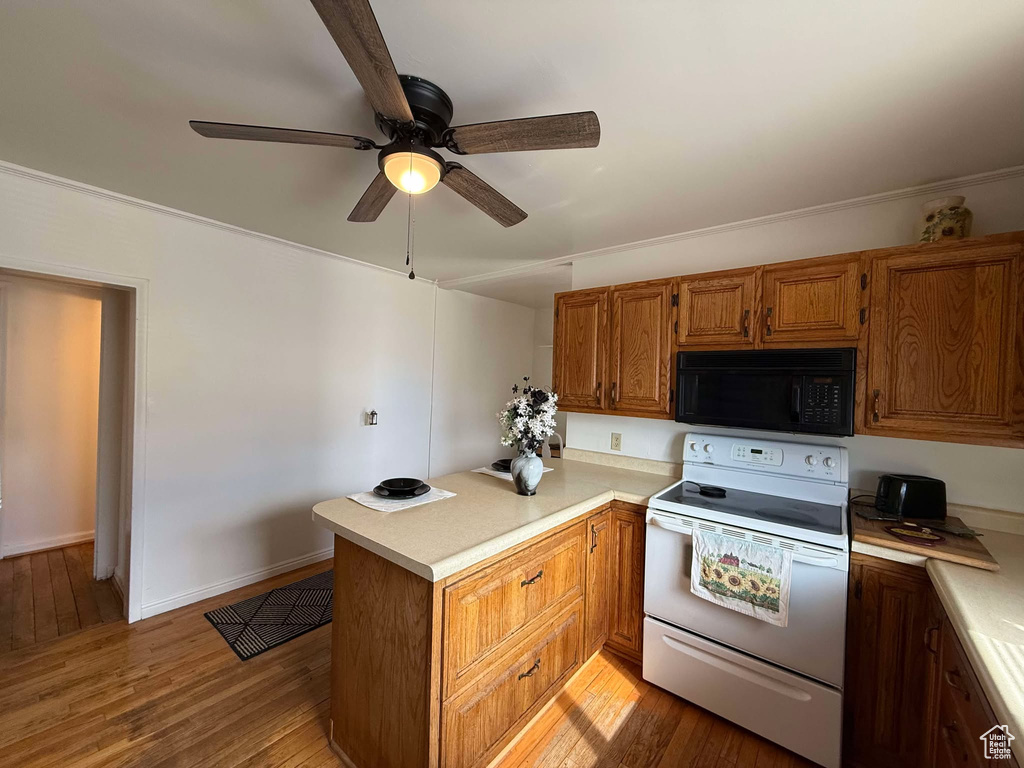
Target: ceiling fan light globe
x=411, y=172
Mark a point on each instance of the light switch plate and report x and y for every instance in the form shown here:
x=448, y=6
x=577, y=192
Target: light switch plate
x=616, y=441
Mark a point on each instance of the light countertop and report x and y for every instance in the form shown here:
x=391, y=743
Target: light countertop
x=486, y=516
x=987, y=612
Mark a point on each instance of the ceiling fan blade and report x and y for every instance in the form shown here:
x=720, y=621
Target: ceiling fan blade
x=283, y=135
x=354, y=28
x=374, y=199
x=482, y=195
x=576, y=129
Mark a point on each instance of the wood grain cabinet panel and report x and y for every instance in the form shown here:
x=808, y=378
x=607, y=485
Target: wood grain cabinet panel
x=891, y=664
x=718, y=311
x=626, y=611
x=641, y=347
x=478, y=722
x=964, y=713
x=486, y=610
x=945, y=345
x=580, y=348
x=598, y=576
x=816, y=301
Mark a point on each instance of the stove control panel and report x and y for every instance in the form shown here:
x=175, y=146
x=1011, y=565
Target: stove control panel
x=757, y=454
x=807, y=460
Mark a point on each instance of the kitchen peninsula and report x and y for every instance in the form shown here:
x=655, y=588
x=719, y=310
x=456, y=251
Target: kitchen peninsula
x=456, y=621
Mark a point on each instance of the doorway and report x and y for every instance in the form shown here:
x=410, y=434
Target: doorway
x=66, y=451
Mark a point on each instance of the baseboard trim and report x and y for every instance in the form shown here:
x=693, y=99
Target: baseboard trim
x=212, y=590
x=339, y=751
x=45, y=545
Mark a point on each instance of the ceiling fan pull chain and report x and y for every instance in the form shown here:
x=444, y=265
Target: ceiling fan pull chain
x=410, y=240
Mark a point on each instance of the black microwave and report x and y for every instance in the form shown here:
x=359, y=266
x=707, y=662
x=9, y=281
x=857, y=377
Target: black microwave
x=784, y=390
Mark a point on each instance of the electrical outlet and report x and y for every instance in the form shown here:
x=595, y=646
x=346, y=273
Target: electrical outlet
x=616, y=441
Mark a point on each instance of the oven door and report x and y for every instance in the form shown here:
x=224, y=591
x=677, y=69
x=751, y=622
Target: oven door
x=812, y=644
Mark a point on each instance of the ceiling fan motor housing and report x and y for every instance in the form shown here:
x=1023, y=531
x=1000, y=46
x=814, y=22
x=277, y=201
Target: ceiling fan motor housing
x=432, y=112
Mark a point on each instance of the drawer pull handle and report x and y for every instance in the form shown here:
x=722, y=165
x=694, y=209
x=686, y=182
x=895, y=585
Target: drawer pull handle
x=952, y=737
x=531, y=670
x=593, y=537
x=954, y=680
x=874, y=415
x=534, y=580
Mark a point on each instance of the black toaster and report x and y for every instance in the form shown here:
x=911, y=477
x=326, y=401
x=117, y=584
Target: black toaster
x=911, y=496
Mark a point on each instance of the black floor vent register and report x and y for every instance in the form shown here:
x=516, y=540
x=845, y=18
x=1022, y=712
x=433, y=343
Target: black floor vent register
x=275, y=617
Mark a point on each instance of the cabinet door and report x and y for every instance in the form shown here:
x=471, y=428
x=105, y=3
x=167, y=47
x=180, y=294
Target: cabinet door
x=814, y=302
x=945, y=345
x=627, y=583
x=641, y=349
x=581, y=348
x=598, y=560
x=891, y=664
x=717, y=311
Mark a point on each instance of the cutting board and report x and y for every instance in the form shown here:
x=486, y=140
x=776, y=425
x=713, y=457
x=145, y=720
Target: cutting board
x=955, y=549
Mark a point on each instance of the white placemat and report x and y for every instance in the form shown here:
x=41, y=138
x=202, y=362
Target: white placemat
x=501, y=475
x=373, y=501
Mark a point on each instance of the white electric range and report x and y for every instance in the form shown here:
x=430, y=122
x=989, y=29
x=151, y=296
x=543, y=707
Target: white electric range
x=784, y=683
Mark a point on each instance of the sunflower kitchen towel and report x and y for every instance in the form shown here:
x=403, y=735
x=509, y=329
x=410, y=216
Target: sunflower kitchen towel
x=750, y=578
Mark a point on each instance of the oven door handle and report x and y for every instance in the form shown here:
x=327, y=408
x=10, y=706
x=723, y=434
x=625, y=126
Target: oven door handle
x=798, y=557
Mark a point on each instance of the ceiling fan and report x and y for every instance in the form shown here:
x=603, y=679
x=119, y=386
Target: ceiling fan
x=415, y=114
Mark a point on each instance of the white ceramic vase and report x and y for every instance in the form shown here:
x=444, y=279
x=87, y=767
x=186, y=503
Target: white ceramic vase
x=527, y=469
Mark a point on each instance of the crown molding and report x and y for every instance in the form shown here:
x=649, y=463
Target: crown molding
x=21, y=171
x=936, y=188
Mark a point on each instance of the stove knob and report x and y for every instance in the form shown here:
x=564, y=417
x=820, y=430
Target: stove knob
x=811, y=461
x=693, y=445
x=829, y=462
x=709, y=448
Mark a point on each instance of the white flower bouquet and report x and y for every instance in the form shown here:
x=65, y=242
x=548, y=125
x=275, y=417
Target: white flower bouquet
x=528, y=419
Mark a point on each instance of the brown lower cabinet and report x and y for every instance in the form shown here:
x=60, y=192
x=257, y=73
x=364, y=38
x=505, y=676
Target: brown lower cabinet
x=446, y=674
x=911, y=697
x=626, y=611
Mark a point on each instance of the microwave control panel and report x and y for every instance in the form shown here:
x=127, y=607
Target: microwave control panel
x=822, y=402
x=754, y=454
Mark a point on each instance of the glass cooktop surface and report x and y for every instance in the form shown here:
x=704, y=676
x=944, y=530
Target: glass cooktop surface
x=824, y=518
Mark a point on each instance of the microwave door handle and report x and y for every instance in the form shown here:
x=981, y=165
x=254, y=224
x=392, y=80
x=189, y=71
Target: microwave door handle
x=794, y=401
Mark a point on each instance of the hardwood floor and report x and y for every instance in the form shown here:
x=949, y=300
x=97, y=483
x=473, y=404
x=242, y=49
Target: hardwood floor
x=609, y=716
x=168, y=691
x=52, y=594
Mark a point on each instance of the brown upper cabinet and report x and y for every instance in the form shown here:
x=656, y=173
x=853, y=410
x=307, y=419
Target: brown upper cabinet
x=640, y=363
x=580, y=348
x=718, y=311
x=938, y=327
x=945, y=344
x=816, y=301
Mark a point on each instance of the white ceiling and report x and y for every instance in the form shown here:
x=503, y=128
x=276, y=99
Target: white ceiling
x=711, y=111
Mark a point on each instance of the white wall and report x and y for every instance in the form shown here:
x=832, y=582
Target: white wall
x=481, y=348
x=980, y=476
x=51, y=394
x=262, y=357
x=543, y=339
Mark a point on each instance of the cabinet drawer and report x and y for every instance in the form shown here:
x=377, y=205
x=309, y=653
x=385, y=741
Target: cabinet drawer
x=478, y=722
x=496, y=605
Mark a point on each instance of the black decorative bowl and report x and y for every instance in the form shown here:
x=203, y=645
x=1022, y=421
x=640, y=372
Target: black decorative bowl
x=502, y=465
x=401, y=484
